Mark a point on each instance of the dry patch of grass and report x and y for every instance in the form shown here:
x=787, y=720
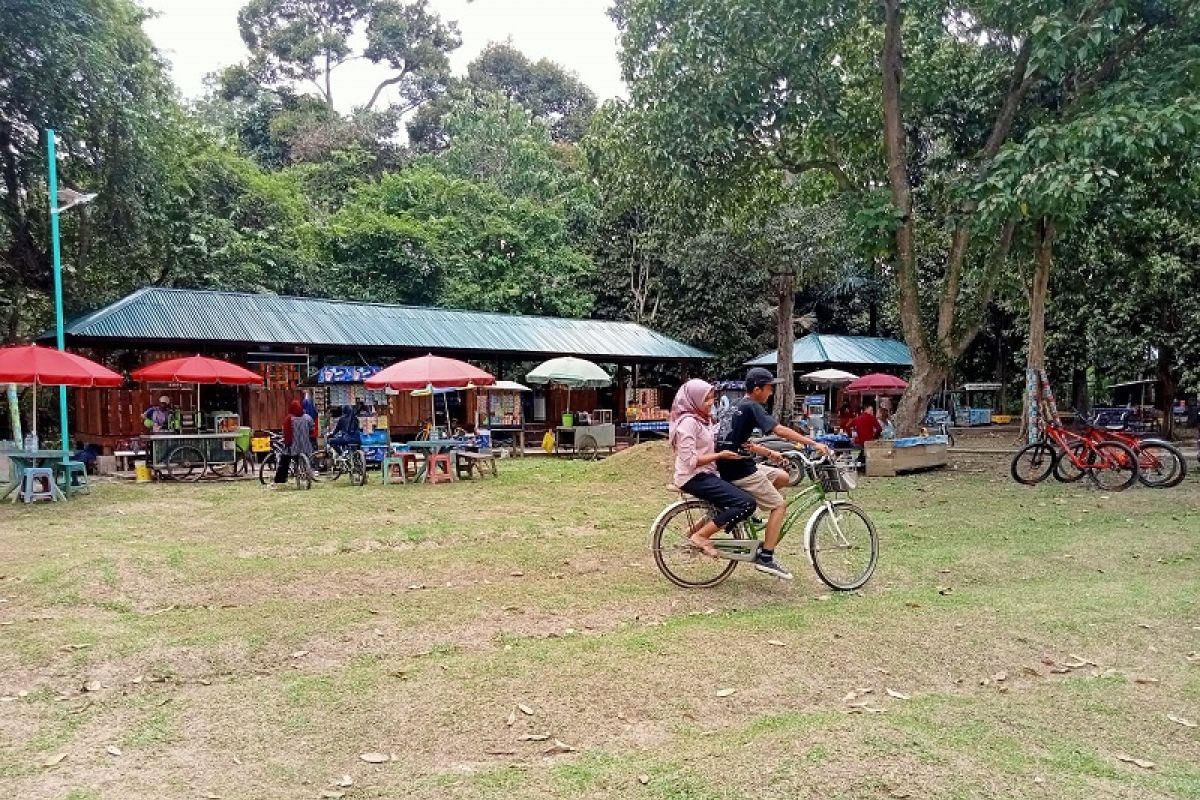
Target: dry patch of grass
x=227, y=640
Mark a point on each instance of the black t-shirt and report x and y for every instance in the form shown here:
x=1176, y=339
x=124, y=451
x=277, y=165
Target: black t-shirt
x=745, y=417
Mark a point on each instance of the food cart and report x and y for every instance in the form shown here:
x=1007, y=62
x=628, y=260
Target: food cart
x=974, y=410
x=192, y=456
x=585, y=438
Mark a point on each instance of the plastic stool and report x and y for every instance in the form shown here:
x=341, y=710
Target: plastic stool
x=392, y=459
x=410, y=465
x=29, y=485
x=67, y=472
x=440, y=470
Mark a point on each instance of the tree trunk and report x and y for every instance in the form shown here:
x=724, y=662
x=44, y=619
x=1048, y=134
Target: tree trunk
x=1167, y=387
x=927, y=380
x=1039, y=290
x=785, y=331
x=1079, y=390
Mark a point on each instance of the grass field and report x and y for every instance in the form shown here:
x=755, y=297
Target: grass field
x=228, y=641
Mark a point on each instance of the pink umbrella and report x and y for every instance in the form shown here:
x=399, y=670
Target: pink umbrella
x=429, y=372
x=876, y=383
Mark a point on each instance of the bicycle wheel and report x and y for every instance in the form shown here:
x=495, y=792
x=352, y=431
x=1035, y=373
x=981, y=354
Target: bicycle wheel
x=186, y=463
x=843, y=544
x=1160, y=465
x=1033, y=463
x=266, y=470
x=587, y=449
x=1114, y=467
x=357, y=468
x=301, y=469
x=681, y=563
x=1065, y=469
x=230, y=469
x=795, y=471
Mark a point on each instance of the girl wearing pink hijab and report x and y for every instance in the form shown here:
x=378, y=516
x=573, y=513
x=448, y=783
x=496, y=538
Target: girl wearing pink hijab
x=691, y=437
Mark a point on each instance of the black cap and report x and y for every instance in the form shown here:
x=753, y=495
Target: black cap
x=757, y=376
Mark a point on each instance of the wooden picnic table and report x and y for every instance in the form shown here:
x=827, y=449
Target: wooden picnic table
x=25, y=459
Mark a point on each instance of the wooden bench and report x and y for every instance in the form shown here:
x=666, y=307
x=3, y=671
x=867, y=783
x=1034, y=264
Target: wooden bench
x=466, y=464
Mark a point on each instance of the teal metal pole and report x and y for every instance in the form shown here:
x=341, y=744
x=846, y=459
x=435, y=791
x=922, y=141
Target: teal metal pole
x=52, y=179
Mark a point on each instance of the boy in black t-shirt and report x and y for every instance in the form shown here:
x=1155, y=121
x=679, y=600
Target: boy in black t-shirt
x=761, y=482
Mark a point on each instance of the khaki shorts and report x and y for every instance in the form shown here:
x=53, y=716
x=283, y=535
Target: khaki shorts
x=761, y=487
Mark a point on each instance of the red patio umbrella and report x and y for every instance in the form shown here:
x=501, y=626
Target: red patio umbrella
x=42, y=366
x=429, y=372
x=876, y=383
x=197, y=369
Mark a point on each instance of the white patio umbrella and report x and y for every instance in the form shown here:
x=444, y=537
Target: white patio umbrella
x=830, y=377
x=574, y=373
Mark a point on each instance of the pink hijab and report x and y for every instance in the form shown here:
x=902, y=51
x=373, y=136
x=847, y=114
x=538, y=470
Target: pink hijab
x=689, y=402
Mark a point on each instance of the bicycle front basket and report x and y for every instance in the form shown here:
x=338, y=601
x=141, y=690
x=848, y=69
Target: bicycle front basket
x=838, y=477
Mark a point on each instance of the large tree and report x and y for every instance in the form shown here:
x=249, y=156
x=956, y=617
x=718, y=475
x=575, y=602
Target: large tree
x=905, y=106
x=545, y=89
x=85, y=69
x=302, y=42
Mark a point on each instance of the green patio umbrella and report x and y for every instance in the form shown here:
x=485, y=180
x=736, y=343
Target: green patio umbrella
x=574, y=373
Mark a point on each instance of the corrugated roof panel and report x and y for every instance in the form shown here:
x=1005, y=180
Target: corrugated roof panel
x=178, y=315
x=818, y=348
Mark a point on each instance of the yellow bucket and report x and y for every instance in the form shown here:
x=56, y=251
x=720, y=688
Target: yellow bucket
x=141, y=473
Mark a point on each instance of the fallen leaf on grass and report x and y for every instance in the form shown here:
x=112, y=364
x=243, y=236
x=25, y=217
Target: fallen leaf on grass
x=211, y=796
x=374, y=758
x=865, y=706
x=526, y=710
x=1139, y=762
x=643, y=779
x=499, y=751
x=536, y=737
x=559, y=747
x=92, y=686
x=945, y=590
x=113, y=750
x=1000, y=677
x=330, y=794
x=849, y=696
x=237, y=761
x=898, y=695
x=1187, y=723
x=345, y=782
x=776, y=643
x=516, y=573
x=54, y=760
x=300, y=654
x=1145, y=680
x=726, y=692
x=511, y=719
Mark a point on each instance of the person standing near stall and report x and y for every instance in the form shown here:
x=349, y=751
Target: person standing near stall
x=299, y=434
x=160, y=418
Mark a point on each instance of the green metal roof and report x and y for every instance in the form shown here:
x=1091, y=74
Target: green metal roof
x=818, y=349
x=174, y=317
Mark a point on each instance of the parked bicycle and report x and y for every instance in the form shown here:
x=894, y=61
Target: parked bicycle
x=1160, y=464
x=349, y=461
x=1110, y=465
x=839, y=541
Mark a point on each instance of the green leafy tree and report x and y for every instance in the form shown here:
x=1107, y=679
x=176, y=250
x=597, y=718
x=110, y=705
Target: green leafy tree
x=732, y=90
x=85, y=69
x=547, y=90
x=429, y=237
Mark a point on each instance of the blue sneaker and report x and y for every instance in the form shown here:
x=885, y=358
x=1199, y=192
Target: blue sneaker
x=771, y=566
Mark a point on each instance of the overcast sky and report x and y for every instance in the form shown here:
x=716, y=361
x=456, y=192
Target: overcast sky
x=200, y=36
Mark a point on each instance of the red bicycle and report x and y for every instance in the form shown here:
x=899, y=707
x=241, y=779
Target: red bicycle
x=1160, y=464
x=1110, y=465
